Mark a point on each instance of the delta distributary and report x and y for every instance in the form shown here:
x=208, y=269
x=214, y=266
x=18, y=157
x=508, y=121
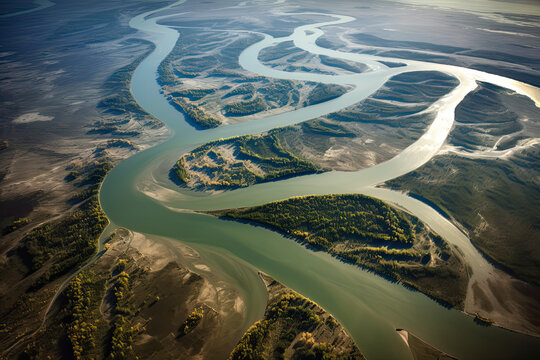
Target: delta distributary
x=138, y=195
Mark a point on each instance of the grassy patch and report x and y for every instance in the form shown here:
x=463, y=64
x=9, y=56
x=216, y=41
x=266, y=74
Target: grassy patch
x=244, y=89
x=243, y=108
x=193, y=94
x=121, y=100
x=326, y=128
x=196, y=115
x=351, y=66
x=278, y=92
x=166, y=73
x=324, y=92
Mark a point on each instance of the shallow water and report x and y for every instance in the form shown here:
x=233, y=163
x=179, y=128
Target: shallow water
x=368, y=306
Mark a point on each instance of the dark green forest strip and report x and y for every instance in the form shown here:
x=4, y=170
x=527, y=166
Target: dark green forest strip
x=195, y=115
x=367, y=232
x=120, y=99
x=63, y=245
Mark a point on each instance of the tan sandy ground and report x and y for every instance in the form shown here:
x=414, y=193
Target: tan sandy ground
x=166, y=267
x=420, y=349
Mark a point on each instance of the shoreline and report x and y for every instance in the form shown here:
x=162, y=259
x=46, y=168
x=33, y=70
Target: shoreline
x=420, y=349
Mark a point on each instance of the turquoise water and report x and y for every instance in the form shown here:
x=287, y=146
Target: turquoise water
x=369, y=307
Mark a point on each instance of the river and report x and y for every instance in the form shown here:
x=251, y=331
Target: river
x=138, y=195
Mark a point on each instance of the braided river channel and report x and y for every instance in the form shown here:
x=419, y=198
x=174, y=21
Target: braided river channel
x=138, y=195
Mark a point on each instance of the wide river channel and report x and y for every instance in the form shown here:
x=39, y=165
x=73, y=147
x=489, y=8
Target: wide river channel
x=138, y=195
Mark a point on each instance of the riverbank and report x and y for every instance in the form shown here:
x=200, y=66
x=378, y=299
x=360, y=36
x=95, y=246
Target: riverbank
x=232, y=240
x=158, y=292
x=53, y=165
x=296, y=328
x=422, y=350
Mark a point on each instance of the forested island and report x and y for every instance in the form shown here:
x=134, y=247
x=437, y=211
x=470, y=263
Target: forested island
x=239, y=162
x=294, y=327
x=371, y=234
x=346, y=140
